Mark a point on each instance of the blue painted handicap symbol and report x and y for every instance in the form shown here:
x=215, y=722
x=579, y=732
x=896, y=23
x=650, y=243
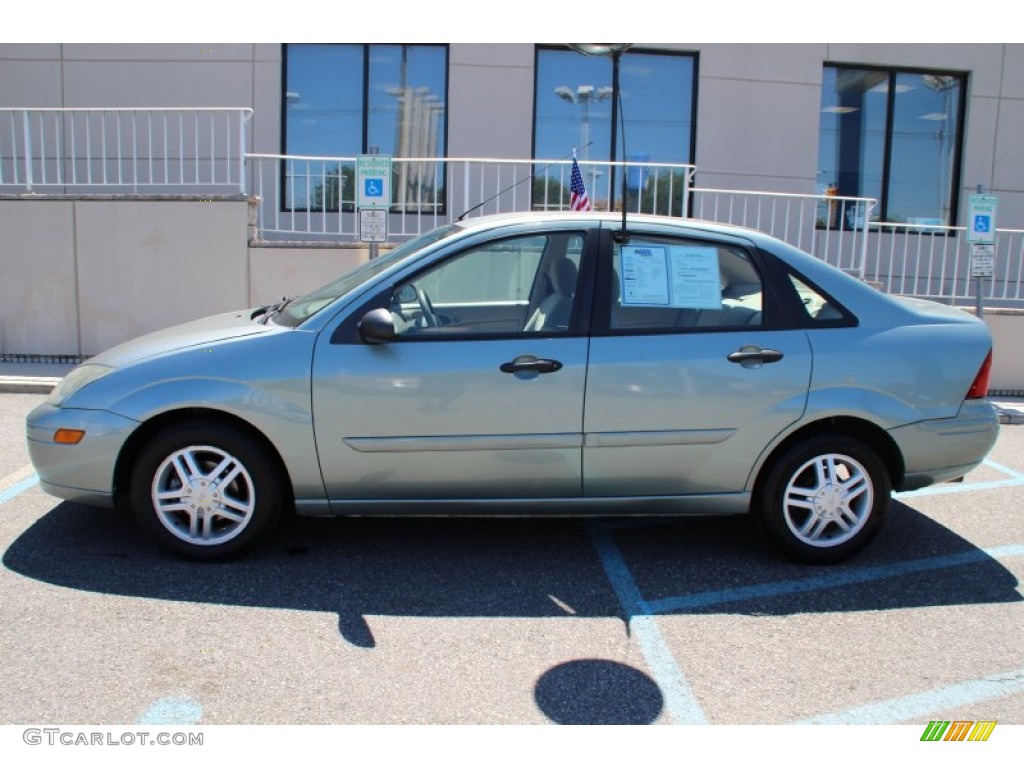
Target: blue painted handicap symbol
x=982, y=223
x=374, y=188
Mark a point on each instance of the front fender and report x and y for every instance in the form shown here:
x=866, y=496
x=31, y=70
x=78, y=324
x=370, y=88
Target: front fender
x=276, y=414
x=263, y=380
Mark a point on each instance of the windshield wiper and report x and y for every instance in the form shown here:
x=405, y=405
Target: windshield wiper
x=270, y=310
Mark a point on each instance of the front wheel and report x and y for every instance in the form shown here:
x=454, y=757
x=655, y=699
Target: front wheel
x=205, y=491
x=825, y=498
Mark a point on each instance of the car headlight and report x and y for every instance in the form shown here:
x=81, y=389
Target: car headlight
x=74, y=381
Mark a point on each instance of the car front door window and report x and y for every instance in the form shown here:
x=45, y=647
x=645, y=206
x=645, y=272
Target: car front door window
x=513, y=286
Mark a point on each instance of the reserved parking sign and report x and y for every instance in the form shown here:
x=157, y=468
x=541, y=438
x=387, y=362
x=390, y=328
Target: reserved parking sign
x=981, y=219
x=373, y=181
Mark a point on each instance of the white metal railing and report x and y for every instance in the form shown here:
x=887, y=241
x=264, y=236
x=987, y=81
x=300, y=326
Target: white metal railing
x=68, y=150
x=203, y=151
x=831, y=227
x=303, y=197
x=935, y=262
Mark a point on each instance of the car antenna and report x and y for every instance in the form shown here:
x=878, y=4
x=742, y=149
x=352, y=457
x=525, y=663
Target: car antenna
x=513, y=186
x=623, y=235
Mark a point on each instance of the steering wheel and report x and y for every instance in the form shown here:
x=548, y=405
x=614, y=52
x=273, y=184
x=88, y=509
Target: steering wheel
x=429, y=316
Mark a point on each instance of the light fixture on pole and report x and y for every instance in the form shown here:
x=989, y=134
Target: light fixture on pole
x=584, y=96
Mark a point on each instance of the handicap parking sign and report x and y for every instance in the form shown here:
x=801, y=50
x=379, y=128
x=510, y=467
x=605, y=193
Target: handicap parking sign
x=981, y=219
x=373, y=186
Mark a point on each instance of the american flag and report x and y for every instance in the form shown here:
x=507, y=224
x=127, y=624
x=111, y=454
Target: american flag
x=578, y=199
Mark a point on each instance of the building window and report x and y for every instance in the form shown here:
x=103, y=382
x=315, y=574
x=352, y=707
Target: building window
x=344, y=100
x=574, y=110
x=895, y=136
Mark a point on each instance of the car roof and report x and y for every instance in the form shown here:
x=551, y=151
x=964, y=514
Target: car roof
x=611, y=218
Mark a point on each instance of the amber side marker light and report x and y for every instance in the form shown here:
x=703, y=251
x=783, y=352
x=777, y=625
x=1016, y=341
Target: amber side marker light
x=68, y=436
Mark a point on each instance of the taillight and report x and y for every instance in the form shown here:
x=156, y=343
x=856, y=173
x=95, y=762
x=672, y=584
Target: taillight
x=980, y=386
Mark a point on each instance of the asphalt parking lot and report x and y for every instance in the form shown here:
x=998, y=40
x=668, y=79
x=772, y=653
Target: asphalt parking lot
x=513, y=621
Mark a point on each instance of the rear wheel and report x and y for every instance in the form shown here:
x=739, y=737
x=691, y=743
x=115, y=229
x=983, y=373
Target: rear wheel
x=825, y=498
x=206, y=490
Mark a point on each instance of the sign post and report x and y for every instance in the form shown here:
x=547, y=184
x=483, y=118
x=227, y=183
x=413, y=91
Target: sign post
x=981, y=234
x=373, y=198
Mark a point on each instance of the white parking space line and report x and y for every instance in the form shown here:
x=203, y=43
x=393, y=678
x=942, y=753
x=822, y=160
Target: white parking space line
x=174, y=710
x=17, y=483
x=831, y=580
x=1004, y=469
x=680, y=701
x=920, y=705
x=1016, y=478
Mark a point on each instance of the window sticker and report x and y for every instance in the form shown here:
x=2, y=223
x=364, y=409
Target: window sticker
x=696, y=279
x=644, y=276
x=686, y=277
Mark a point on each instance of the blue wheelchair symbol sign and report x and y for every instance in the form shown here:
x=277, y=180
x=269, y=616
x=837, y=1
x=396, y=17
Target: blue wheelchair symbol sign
x=982, y=223
x=374, y=187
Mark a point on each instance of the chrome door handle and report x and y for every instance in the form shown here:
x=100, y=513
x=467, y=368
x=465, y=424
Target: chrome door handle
x=527, y=364
x=750, y=354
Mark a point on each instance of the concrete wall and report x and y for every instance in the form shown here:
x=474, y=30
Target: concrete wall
x=1007, y=326
x=148, y=75
x=291, y=271
x=78, y=276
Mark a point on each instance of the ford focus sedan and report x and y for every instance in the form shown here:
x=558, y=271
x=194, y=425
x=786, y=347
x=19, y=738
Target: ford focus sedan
x=535, y=365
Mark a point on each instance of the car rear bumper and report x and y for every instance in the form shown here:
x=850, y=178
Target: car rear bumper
x=938, y=450
x=82, y=472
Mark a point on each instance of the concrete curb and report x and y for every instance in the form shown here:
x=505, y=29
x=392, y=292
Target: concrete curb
x=32, y=385
x=1010, y=415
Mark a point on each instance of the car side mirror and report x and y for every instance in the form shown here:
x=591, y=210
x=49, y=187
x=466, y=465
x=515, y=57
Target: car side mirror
x=377, y=327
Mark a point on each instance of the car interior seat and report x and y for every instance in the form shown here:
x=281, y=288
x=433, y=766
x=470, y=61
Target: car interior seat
x=555, y=309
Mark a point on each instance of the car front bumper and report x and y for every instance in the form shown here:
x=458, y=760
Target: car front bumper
x=938, y=450
x=83, y=472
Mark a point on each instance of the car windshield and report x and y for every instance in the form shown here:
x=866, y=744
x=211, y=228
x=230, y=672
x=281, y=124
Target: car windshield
x=300, y=309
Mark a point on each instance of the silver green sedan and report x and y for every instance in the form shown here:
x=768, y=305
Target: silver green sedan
x=535, y=365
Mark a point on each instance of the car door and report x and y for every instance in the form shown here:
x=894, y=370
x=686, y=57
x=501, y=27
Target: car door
x=480, y=393
x=692, y=370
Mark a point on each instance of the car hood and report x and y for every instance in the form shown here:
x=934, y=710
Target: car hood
x=209, y=330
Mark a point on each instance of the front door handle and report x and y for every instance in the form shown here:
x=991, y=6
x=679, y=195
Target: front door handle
x=530, y=364
x=750, y=355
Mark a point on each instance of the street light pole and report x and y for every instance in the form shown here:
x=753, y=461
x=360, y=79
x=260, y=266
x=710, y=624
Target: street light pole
x=615, y=50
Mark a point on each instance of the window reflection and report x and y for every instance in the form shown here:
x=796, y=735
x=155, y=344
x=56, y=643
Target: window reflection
x=344, y=100
x=923, y=148
x=893, y=136
x=574, y=111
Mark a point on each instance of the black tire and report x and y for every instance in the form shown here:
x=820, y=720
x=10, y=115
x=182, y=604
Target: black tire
x=824, y=498
x=206, y=490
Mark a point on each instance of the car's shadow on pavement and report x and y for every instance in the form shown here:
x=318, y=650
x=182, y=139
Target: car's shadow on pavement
x=510, y=568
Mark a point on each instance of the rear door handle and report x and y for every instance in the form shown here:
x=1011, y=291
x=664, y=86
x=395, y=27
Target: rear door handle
x=530, y=364
x=750, y=355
